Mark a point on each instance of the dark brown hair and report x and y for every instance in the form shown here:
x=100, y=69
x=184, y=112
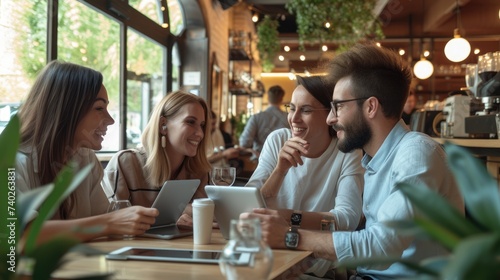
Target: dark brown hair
x=321, y=89
x=275, y=94
x=374, y=71
x=60, y=97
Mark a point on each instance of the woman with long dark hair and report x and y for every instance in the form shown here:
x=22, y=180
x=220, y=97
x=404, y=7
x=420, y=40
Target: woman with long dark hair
x=64, y=119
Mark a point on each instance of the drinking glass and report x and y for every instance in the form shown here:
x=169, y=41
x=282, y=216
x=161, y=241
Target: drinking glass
x=223, y=176
x=471, y=77
x=246, y=238
x=116, y=205
x=485, y=66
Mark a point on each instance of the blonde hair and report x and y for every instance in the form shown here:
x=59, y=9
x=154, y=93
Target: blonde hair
x=158, y=166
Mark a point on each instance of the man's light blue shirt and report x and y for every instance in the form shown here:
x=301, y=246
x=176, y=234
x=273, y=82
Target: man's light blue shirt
x=405, y=156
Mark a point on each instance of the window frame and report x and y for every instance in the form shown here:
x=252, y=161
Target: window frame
x=127, y=17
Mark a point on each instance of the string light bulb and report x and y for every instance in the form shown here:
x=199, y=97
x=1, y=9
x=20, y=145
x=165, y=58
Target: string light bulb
x=255, y=17
x=457, y=49
x=423, y=69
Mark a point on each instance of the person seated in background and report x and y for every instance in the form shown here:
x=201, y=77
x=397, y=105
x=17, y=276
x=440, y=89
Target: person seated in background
x=409, y=108
x=371, y=86
x=302, y=168
x=228, y=139
x=174, y=146
x=217, y=153
x=63, y=119
x=261, y=124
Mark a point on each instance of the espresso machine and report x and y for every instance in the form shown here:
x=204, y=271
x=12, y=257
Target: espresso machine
x=456, y=108
x=485, y=122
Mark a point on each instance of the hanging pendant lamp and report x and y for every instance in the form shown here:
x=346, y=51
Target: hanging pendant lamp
x=458, y=48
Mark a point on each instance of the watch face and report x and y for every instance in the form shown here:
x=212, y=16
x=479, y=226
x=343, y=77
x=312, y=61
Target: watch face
x=292, y=239
x=296, y=219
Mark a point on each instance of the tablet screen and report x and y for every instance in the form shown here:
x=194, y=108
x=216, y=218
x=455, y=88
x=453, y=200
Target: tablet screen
x=174, y=255
x=171, y=253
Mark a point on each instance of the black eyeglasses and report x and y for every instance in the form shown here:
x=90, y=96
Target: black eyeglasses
x=306, y=110
x=335, y=104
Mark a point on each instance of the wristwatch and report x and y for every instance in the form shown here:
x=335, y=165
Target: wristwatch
x=292, y=236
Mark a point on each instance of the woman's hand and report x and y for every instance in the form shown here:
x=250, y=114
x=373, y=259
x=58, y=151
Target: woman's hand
x=186, y=219
x=231, y=153
x=133, y=220
x=291, y=153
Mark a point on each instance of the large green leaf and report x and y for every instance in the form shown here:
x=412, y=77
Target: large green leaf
x=475, y=258
x=439, y=233
x=437, y=209
x=479, y=189
x=9, y=142
x=63, y=186
x=48, y=254
x=435, y=264
x=387, y=260
x=29, y=202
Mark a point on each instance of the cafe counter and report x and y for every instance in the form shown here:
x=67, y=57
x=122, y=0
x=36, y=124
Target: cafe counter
x=488, y=150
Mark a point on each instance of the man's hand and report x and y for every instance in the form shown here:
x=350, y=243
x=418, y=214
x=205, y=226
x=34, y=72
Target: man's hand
x=273, y=226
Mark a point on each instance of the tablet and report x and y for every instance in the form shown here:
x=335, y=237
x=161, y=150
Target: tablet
x=173, y=255
x=230, y=202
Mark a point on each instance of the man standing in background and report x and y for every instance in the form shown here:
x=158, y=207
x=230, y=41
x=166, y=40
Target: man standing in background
x=261, y=124
x=409, y=108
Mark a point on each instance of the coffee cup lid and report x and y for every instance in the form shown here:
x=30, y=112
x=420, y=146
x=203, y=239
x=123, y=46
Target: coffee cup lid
x=203, y=201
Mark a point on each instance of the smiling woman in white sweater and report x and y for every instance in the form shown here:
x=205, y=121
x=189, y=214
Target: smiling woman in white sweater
x=302, y=169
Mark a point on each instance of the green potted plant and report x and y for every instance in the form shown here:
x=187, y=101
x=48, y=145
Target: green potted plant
x=349, y=21
x=268, y=43
x=238, y=124
x=473, y=241
x=40, y=259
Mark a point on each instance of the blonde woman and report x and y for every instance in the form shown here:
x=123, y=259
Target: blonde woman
x=174, y=145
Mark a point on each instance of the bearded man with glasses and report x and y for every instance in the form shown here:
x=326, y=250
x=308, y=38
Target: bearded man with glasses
x=371, y=87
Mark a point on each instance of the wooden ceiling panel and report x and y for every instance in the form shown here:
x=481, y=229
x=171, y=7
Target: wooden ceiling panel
x=405, y=24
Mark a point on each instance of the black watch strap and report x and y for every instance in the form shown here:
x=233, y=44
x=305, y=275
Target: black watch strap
x=296, y=218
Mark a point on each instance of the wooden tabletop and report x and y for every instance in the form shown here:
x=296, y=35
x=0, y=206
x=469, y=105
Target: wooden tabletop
x=286, y=262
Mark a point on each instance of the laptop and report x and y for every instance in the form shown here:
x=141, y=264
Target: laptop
x=230, y=202
x=171, y=201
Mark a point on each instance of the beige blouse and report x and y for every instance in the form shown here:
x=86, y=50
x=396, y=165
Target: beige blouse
x=89, y=199
x=125, y=178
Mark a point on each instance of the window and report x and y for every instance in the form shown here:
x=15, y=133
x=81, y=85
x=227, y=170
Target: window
x=77, y=43
x=91, y=33
x=23, y=25
x=175, y=15
x=144, y=83
x=148, y=8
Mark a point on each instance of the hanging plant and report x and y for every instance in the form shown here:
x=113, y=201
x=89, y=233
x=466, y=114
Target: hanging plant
x=349, y=21
x=268, y=43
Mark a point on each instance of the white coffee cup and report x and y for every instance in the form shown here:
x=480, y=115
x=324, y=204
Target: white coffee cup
x=203, y=216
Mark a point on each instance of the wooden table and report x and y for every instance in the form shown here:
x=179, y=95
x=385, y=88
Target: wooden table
x=286, y=263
